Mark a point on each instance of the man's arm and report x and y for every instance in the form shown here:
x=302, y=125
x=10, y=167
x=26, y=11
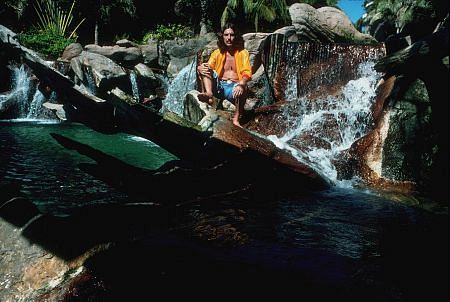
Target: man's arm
x=244, y=67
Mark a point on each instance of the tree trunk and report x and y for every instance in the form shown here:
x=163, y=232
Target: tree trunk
x=96, y=33
x=204, y=4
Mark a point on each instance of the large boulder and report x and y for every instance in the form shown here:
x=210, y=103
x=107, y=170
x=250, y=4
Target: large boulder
x=326, y=25
x=126, y=56
x=96, y=69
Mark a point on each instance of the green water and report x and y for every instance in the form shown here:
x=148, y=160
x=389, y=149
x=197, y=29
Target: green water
x=49, y=173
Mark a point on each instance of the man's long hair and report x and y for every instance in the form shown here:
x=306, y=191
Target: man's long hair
x=238, y=42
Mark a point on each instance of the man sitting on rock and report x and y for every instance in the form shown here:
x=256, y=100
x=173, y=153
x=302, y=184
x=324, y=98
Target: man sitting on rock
x=227, y=72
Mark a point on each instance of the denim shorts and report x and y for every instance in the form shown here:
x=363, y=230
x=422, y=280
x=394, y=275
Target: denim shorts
x=223, y=89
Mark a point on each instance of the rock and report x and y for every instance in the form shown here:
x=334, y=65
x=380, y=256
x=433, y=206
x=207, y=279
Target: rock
x=71, y=51
x=126, y=43
x=150, y=54
x=326, y=24
x=127, y=56
x=194, y=110
x=105, y=73
x=144, y=71
x=57, y=109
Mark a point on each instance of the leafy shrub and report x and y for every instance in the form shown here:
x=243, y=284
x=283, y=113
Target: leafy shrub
x=52, y=18
x=52, y=33
x=47, y=43
x=168, y=32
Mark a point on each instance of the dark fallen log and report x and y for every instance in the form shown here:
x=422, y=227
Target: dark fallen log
x=192, y=183
x=152, y=185
x=222, y=143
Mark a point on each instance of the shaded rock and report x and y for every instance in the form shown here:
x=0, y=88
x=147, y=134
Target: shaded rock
x=194, y=110
x=254, y=43
x=71, y=51
x=289, y=32
x=126, y=43
x=105, y=73
x=126, y=56
x=144, y=71
x=150, y=54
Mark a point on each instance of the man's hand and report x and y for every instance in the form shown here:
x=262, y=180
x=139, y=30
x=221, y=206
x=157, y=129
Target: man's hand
x=204, y=69
x=239, y=90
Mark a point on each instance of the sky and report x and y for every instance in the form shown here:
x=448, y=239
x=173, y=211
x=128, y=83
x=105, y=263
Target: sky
x=354, y=9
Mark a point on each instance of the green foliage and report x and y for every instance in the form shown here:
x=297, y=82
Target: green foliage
x=51, y=35
x=420, y=10
x=255, y=10
x=48, y=43
x=54, y=19
x=399, y=12
x=168, y=32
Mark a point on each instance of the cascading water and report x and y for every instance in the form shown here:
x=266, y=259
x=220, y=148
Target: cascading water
x=337, y=121
x=24, y=101
x=179, y=86
x=134, y=85
x=36, y=103
x=20, y=88
x=91, y=86
x=330, y=92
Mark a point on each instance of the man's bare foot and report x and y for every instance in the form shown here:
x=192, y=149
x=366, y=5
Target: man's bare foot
x=236, y=123
x=205, y=98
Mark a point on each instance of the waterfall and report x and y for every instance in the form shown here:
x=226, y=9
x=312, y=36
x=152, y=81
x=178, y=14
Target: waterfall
x=330, y=93
x=91, y=86
x=179, y=86
x=35, y=106
x=24, y=101
x=134, y=85
x=20, y=88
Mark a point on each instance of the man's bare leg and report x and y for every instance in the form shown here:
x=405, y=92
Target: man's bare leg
x=238, y=112
x=206, y=96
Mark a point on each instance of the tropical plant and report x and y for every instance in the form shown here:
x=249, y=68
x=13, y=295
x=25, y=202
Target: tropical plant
x=46, y=43
x=54, y=19
x=53, y=31
x=399, y=12
x=168, y=32
x=268, y=10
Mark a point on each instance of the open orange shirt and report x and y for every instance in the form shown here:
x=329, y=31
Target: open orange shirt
x=242, y=60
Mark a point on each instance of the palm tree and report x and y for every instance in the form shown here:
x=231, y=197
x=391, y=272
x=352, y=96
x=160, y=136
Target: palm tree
x=204, y=9
x=268, y=10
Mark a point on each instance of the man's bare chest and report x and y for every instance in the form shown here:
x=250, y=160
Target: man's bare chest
x=230, y=63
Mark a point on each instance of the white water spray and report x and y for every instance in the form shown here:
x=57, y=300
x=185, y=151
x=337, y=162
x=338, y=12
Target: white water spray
x=336, y=121
x=24, y=100
x=134, y=85
x=179, y=86
x=35, y=106
x=20, y=88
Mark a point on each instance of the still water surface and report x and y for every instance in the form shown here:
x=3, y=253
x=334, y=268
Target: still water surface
x=347, y=236
x=48, y=172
